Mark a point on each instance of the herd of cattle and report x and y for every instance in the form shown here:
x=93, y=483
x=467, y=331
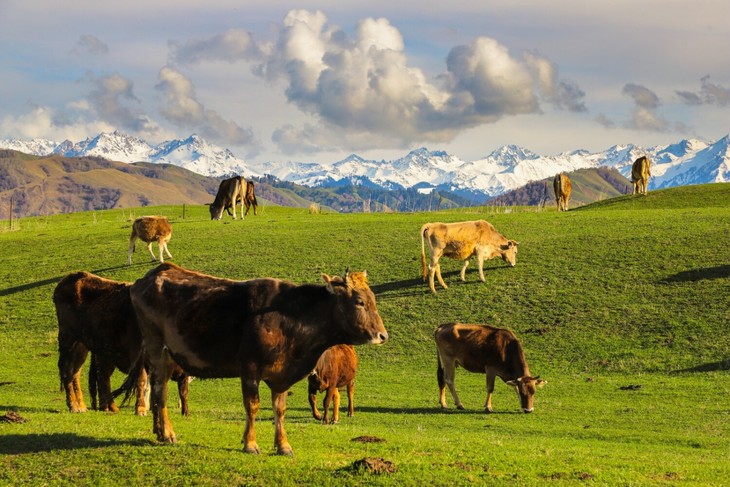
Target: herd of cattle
x=176, y=323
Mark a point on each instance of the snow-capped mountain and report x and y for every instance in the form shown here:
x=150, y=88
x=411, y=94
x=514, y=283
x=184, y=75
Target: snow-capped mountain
x=506, y=168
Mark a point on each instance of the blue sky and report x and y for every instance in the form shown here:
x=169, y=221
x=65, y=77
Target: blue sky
x=316, y=81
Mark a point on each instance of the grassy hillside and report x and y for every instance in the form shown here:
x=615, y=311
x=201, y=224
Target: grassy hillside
x=621, y=305
x=589, y=185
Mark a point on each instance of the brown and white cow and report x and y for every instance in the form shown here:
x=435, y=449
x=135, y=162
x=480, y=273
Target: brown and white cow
x=640, y=173
x=150, y=229
x=96, y=315
x=261, y=330
x=562, y=188
x=336, y=368
x=462, y=241
x=231, y=192
x=484, y=350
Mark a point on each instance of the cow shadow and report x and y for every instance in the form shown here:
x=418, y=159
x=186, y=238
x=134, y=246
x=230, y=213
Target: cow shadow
x=430, y=410
x=412, y=287
x=694, y=275
x=18, y=444
x=722, y=365
x=55, y=280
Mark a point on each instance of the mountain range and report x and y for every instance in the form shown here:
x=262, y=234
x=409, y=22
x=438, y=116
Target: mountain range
x=685, y=162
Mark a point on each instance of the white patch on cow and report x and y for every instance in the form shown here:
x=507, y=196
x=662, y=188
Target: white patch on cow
x=176, y=344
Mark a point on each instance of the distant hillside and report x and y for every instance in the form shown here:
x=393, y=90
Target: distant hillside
x=589, y=185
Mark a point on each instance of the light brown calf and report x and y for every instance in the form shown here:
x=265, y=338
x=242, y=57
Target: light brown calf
x=640, y=173
x=336, y=368
x=462, y=241
x=150, y=229
x=562, y=188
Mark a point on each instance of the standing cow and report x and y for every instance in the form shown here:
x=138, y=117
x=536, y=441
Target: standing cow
x=562, y=188
x=483, y=349
x=96, y=315
x=264, y=329
x=640, y=173
x=231, y=192
x=462, y=241
x=336, y=368
x=150, y=229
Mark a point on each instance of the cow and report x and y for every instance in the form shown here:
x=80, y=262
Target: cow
x=562, y=188
x=335, y=368
x=231, y=192
x=96, y=315
x=483, y=349
x=263, y=329
x=150, y=229
x=461, y=241
x=640, y=173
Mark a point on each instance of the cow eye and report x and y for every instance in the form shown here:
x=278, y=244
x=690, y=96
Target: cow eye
x=359, y=301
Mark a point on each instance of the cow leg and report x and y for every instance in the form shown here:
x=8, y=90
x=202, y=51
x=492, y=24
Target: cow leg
x=250, y=388
x=449, y=373
x=149, y=249
x=463, y=270
x=160, y=372
x=167, y=251
x=490, y=389
x=71, y=357
x=327, y=401
x=132, y=239
x=143, y=396
x=336, y=408
x=182, y=391
x=350, y=399
x=278, y=402
x=480, y=265
x=313, y=403
x=104, y=370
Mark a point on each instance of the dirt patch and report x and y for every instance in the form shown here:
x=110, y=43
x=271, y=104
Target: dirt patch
x=368, y=439
x=12, y=417
x=631, y=387
x=376, y=466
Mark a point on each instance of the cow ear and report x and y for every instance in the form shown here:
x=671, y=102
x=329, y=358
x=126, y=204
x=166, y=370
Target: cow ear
x=540, y=382
x=328, y=281
x=514, y=383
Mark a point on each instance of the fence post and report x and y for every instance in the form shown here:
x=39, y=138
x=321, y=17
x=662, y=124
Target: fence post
x=183, y=211
x=11, y=212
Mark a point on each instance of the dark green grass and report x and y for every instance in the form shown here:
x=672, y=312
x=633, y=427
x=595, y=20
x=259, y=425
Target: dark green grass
x=628, y=292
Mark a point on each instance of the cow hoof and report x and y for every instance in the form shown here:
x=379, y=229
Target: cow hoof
x=489, y=410
x=460, y=407
x=285, y=451
x=168, y=439
x=254, y=449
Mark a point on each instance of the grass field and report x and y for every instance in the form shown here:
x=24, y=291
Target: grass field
x=623, y=306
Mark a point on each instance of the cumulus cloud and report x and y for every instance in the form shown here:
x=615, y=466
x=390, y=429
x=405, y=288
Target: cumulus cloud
x=645, y=116
x=361, y=89
x=182, y=108
x=89, y=44
x=109, y=98
x=45, y=122
x=710, y=94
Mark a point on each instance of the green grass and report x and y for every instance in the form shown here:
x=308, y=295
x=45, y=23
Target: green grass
x=632, y=291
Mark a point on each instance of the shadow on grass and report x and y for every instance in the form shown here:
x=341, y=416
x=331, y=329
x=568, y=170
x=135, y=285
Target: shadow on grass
x=432, y=410
x=55, y=280
x=46, y=442
x=409, y=287
x=711, y=367
x=719, y=272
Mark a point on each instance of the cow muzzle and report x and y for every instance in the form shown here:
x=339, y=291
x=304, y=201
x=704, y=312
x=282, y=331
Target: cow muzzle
x=380, y=338
x=528, y=410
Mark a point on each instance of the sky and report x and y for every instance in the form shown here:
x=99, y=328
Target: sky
x=317, y=81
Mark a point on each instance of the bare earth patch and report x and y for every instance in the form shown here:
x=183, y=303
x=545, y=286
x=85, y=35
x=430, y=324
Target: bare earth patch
x=12, y=417
x=375, y=466
x=368, y=439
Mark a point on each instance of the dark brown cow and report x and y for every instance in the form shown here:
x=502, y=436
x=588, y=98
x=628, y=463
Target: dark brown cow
x=483, y=349
x=562, y=188
x=150, y=229
x=96, y=315
x=640, y=173
x=336, y=368
x=462, y=241
x=231, y=192
x=264, y=329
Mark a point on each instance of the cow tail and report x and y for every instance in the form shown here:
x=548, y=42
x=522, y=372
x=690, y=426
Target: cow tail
x=440, y=371
x=93, y=380
x=424, y=229
x=129, y=386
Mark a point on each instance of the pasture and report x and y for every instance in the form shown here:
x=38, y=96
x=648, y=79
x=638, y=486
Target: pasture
x=622, y=306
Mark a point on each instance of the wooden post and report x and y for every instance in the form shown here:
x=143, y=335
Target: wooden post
x=11, y=212
x=183, y=211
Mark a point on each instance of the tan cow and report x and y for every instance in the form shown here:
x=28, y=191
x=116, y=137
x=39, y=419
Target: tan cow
x=150, y=229
x=562, y=188
x=462, y=241
x=230, y=193
x=484, y=350
x=640, y=173
x=336, y=368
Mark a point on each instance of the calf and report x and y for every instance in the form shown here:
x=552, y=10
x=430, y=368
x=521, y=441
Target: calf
x=483, y=349
x=640, y=173
x=150, y=229
x=562, y=188
x=230, y=192
x=335, y=368
x=462, y=241
x=96, y=315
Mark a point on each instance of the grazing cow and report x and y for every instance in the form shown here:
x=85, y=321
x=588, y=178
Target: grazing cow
x=335, y=368
x=640, y=173
x=483, y=349
x=562, y=188
x=150, y=229
x=261, y=330
x=230, y=193
x=461, y=241
x=96, y=315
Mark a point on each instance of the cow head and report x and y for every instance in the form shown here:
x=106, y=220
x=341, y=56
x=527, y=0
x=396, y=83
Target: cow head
x=509, y=252
x=526, y=387
x=216, y=212
x=356, y=313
